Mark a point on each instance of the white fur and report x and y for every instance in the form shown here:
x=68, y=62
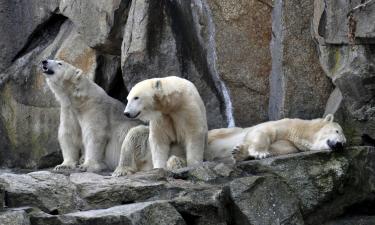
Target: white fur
x=274, y=138
x=176, y=114
x=90, y=120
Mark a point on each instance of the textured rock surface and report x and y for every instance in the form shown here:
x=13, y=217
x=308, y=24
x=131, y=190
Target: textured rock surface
x=351, y=67
x=153, y=213
x=242, y=37
x=298, y=85
x=303, y=188
x=14, y=217
x=264, y=200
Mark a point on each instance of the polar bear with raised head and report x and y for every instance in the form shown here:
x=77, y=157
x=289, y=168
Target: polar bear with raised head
x=275, y=138
x=176, y=114
x=90, y=120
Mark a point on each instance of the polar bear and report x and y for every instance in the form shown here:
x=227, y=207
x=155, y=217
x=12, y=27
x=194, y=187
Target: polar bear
x=275, y=138
x=176, y=114
x=136, y=154
x=90, y=120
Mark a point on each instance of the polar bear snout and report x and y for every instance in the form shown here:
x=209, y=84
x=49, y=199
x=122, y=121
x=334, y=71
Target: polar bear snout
x=131, y=115
x=335, y=145
x=47, y=67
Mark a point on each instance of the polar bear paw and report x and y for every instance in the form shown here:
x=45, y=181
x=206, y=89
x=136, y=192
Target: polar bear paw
x=259, y=154
x=175, y=163
x=239, y=153
x=123, y=171
x=92, y=167
x=65, y=166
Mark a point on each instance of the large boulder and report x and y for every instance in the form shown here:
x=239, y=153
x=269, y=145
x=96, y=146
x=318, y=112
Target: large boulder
x=242, y=36
x=264, y=200
x=349, y=63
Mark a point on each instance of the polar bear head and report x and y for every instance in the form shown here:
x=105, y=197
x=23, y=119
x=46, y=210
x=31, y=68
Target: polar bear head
x=141, y=100
x=58, y=70
x=329, y=136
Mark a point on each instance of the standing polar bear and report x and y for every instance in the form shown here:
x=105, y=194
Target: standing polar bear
x=275, y=138
x=176, y=114
x=90, y=120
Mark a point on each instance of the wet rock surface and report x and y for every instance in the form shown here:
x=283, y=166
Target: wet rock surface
x=302, y=188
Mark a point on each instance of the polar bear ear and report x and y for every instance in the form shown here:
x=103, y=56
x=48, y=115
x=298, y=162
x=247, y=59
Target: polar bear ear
x=157, y=84
x=329, y=118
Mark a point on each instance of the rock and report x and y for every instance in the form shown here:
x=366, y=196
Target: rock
x=102, y=191
x=242, y=36
x=264, y=200
x=14, y=217
x=351, y=71
x=30, y=17
x=200, y=204
x=326, y=183
x=100, y=23
x=335, y=24
x=132, y=214
x=354, y=220
x=50, y=192
x=2, y=197
x=166, y=38
x=298, y=85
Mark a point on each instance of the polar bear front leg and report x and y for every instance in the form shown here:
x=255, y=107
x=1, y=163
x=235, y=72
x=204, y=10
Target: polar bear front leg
x=70, y=139
x=94, y=141
x=159, y=152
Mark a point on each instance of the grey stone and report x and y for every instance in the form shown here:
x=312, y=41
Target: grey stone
x=242, y=36
x=14, y=217
x=19, y=20
x=264, y=200
x=102, y=191
x=326, y=183
x=335, y=22
x=165, y=38
x=133, y=214
x=100, y=23
x=298, y=85
x=50, y=192
x=354, y=220
x=351, y=69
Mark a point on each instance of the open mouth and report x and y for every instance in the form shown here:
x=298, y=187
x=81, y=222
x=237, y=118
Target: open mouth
x=46, y=70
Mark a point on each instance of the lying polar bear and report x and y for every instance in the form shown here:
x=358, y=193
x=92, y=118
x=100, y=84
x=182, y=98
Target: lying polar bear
x=275, y=138
x=136, y=153
x=90, y=120
x=266, y=139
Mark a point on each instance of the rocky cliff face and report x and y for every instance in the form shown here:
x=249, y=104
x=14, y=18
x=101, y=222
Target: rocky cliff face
x=252, y=60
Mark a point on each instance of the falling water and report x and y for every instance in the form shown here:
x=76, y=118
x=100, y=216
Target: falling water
x=212, y=57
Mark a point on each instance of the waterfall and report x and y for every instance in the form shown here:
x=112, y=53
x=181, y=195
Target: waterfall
x=212, y=58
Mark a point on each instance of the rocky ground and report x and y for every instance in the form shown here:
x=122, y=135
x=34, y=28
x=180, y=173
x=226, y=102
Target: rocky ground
x=305, y=188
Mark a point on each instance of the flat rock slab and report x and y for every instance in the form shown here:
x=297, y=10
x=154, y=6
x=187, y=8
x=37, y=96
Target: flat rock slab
x=133, y=214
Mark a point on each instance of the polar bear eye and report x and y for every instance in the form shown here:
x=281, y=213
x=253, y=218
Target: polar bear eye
x=60, y=64
x=337, y=131
x=136, y=98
